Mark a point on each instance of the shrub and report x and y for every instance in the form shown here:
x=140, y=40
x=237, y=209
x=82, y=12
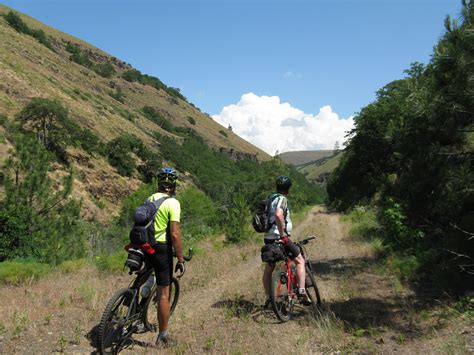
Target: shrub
x=120, y=158
x=41, y=38
x=191, y=120
x=224, y=133
x=364, y=223
x=157, y=118
x=117, y=95
x=405, y=267
x=131, y=75
x=77, y=56
x=105, y=70
x=17, y=23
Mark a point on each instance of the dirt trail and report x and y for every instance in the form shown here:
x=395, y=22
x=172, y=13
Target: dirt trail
x=219, y=309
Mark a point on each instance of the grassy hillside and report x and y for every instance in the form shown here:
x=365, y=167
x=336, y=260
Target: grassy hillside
x=303, y=157
x=315, y=171
x=105, y=104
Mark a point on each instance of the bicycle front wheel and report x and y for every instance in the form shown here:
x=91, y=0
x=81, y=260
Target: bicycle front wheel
x=312, y=288
x=112, y=326
x=282, y=301
x=150, y=311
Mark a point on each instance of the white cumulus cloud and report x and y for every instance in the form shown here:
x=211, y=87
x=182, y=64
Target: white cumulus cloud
x=273, y=125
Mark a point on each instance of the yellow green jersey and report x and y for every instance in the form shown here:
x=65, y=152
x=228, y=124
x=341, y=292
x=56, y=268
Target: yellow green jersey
x=170, y=210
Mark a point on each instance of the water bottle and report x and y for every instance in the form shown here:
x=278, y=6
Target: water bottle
x=146, y=289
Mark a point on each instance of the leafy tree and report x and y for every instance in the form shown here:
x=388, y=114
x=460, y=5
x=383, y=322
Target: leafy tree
x=119, y=156
x=45, y=117
x=411, y=153
x=36, y=218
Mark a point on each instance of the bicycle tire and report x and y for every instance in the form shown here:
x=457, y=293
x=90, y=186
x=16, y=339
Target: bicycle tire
x=150, y=317
x=312, y=288
x=282, y=303
x=114, y=318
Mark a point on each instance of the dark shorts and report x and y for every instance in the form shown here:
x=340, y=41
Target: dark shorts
x=291, y=249
x=162, y=262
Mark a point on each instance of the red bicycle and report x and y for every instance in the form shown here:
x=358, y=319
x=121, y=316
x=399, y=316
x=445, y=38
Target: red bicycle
x=284, y=288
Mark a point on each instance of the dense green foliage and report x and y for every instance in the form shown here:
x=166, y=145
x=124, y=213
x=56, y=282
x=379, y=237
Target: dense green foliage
x=235, y=187
x=120, y=156
x=105, y=70
x=37, y=219
x=50, y=122
x=411, y=154
x=18, y=24
x=78, y=56
x=134, y=75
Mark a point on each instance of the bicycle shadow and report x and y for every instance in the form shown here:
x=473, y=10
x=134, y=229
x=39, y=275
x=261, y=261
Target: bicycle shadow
x=93, y=337
x=338, y=267
x=245, y=309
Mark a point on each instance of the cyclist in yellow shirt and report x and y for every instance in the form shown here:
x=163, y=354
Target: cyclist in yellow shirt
x=167, y=236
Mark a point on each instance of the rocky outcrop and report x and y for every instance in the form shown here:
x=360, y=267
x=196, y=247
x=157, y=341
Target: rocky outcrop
x=237, y=155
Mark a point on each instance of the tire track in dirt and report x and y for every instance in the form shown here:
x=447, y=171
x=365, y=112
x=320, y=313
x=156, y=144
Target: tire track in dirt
x=214, y=309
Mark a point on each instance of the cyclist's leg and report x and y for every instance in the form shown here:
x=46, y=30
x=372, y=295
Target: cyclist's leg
x=294, y=253
x=267, y=278
x=161, y=264
x=300, y=271
x=163, y=299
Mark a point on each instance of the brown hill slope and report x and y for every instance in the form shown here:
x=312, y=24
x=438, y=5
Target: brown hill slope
x=29, y=69
x=319, y=170
x=304, y=157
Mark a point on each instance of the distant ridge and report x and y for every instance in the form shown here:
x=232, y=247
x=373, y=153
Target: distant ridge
x=298, y=158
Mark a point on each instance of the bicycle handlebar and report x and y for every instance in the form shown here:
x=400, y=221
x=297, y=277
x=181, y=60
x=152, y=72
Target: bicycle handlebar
x=190, y=255
x=185, y=257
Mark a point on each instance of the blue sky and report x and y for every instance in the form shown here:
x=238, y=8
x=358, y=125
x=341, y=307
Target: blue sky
x=308, y=53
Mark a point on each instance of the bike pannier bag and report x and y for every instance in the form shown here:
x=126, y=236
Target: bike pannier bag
x=135, y=259
x=273, y=252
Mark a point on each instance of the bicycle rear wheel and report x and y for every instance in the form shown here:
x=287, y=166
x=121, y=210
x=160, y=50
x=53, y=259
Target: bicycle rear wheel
x=150, y=315
x=112, y=326
x=282, y=301
x=312, y=288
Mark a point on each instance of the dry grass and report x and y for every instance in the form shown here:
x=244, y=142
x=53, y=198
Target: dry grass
x=219, y=309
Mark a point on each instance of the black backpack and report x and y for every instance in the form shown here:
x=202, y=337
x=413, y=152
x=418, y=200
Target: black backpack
x=261, y=219
x=143, y=231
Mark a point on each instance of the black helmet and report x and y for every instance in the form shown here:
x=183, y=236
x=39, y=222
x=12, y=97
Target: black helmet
x=283, y=183
x=167, y=178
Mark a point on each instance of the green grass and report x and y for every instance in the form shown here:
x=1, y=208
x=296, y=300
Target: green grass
x=20, y=271
x=111, y=263
x=70, y=266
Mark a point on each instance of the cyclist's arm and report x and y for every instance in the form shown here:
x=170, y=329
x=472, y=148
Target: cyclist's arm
x=280, y=221
x=176, y=240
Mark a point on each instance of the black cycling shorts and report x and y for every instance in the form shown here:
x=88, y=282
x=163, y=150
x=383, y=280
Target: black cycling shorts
x=291, y=249
x=162, y=262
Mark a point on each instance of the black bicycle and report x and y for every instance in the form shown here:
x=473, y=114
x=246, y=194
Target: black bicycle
x=128, y=312
x=284, y=288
